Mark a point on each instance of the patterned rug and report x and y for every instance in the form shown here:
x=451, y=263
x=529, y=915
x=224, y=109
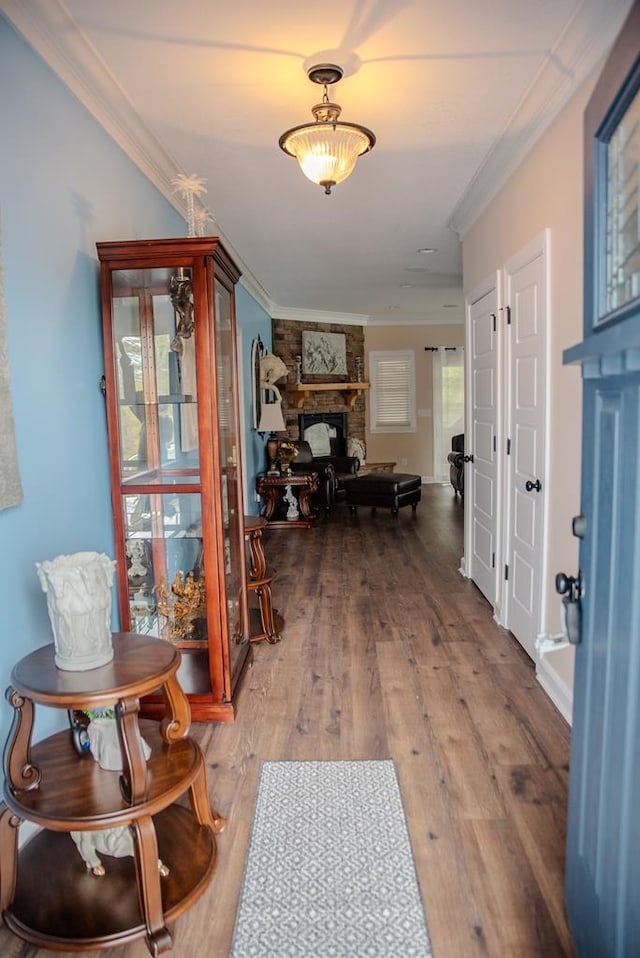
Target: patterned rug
x=329, y=871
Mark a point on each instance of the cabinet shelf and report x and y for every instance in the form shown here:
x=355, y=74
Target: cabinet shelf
x=59, y=904
x=351, y=390
x=79, y=793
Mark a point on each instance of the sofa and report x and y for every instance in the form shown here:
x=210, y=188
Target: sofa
x=456, y=464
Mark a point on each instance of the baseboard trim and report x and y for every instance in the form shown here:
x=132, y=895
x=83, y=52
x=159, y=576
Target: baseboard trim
x=556, y=688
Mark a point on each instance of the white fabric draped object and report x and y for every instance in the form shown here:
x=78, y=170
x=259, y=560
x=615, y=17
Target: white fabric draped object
x=448, y=405
x=10, y=485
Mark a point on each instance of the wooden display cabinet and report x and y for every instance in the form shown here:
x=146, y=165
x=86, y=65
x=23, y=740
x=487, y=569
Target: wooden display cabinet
x=171, y=393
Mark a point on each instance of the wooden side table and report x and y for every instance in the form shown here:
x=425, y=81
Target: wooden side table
x=47, y=895
x=275, y=489
x=259, y=582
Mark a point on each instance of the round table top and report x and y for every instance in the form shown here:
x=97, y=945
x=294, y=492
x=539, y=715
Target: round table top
x=254, y=524
x=139, y=665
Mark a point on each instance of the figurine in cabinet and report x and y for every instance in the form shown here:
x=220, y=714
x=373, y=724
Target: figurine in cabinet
x=172, y=414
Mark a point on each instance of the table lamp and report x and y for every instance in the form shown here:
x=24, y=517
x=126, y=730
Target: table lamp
x=272, y=421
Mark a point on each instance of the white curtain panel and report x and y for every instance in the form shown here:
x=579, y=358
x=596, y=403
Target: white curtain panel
x=10, y=485
x=448, y=405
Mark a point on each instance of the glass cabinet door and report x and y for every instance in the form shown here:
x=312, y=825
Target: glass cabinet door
x=155, y=340
x=229, y=471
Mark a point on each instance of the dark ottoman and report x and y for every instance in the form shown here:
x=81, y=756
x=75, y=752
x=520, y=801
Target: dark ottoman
x=390, y=490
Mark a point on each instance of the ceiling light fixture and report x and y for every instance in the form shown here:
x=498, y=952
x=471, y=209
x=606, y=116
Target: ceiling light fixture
x=327, y=150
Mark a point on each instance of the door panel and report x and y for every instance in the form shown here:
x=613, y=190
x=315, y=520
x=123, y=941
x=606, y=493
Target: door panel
x=482, y=473
x=603, y=842
x=526, y=283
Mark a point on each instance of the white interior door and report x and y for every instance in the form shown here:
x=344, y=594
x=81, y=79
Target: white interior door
x=481, y=480
x=526, y=296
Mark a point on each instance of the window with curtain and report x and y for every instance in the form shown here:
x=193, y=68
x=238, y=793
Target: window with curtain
x=448, y=405
x=393, y=391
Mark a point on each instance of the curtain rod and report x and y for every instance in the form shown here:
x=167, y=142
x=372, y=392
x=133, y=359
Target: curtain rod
x=434, y=349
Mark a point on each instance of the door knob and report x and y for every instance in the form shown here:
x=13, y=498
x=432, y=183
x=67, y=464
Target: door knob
x=570, y=587
x=468, y=458
x=579, y=526
x=530, y=486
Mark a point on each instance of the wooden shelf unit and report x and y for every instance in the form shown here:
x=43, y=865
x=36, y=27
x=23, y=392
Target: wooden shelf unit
x=352, y=390
x=48, y=896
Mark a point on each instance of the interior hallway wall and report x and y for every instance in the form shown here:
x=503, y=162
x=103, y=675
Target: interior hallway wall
x=546, y=191
x=412, y=451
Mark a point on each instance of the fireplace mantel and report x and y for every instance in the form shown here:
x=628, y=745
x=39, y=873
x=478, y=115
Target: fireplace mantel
x=352, y=391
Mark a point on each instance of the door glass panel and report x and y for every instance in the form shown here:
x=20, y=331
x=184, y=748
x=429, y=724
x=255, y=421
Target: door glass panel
x=155, y=356
x=165, y=567
x=622, y=238
x=231, y=497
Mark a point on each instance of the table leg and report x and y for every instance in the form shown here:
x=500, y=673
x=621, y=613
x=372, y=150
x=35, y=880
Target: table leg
x=263, y=591
x=258, y=568
x=148, y=879
x=9, y=824
x=304, y=501
x=18, y=770
x=272, y=495
x=133, y=781
x=177, y=722
x=199, y=801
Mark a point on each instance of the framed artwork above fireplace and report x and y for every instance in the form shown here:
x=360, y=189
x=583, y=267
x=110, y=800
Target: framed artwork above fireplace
x=324, y=353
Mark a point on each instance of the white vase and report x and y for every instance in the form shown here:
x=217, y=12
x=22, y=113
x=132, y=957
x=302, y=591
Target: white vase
x=104, y=743
x=78, y=590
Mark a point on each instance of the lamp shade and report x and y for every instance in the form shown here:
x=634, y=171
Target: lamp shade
x=271, y=418
x=327, y=152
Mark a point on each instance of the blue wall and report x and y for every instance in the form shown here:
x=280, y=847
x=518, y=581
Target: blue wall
x=64, y=185
x=254, y=322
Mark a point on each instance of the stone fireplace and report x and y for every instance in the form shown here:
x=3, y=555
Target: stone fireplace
x=287, y=344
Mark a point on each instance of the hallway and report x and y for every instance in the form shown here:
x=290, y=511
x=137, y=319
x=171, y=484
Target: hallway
x=388, y=652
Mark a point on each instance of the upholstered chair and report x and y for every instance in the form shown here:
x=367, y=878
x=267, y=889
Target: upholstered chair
x=305, y=462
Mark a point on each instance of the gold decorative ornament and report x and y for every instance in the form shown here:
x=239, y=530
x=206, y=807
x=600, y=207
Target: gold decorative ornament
x=183, y=605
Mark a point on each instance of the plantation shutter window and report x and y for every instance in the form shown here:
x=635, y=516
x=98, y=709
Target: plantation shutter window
x=393, y=402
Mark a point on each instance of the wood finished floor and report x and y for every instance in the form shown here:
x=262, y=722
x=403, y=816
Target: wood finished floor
x=389, y=653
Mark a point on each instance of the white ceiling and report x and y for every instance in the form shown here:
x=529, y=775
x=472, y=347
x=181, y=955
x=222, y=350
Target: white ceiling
x=456, y=92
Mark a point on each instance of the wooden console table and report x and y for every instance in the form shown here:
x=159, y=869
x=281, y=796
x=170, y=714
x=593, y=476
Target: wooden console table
x=274, y=488
x=47, y=895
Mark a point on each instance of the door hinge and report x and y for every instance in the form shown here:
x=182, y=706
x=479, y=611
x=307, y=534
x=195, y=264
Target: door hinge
x=508, y=309
x=508, y=447
x=493, y=560
x=493, y=317
x=495, y=448
x=506, y=573
x=102, y=385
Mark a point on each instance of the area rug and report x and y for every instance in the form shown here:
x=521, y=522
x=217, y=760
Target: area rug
x=329, y=870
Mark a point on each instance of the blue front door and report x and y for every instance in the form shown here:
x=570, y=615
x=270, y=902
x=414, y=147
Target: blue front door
x=603, y=845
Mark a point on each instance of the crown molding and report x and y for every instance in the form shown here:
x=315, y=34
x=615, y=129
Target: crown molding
x=456, y=320
x=583, y=43
x=357, y=319
x=319, y=316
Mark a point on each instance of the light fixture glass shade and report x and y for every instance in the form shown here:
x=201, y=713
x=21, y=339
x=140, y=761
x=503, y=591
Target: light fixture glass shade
x=327, y=152
x=271, y=418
